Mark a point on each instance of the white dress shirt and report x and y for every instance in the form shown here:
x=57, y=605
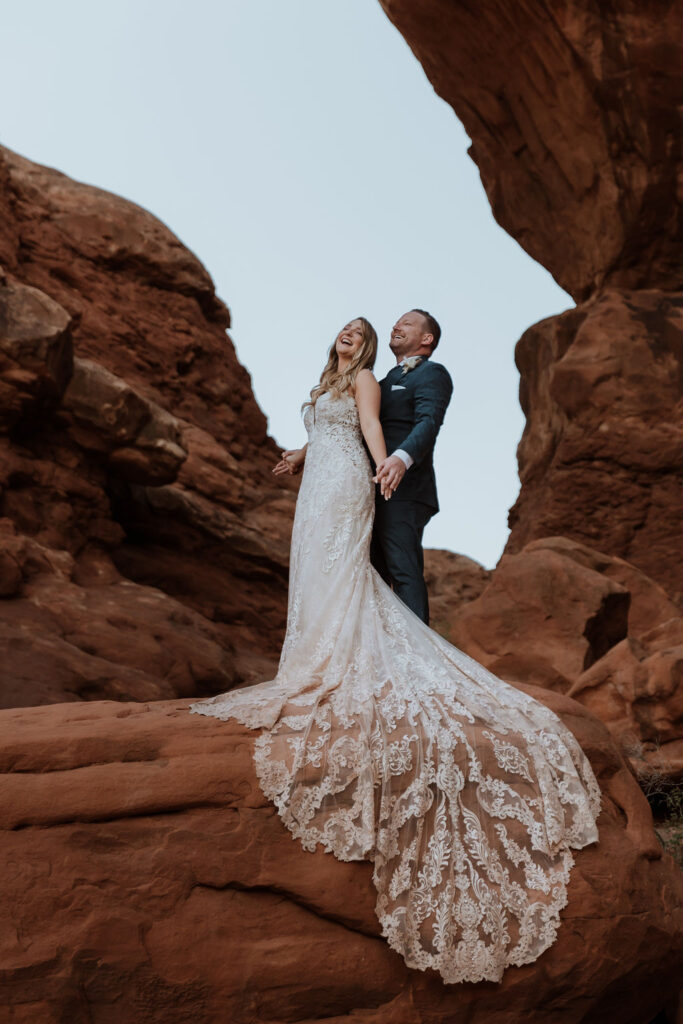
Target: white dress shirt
x=404, y=457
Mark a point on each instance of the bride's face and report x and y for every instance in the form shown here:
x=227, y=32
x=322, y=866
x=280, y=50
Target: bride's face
x=349, y=340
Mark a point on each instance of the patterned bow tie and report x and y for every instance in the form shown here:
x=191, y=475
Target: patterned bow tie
x=410, y=363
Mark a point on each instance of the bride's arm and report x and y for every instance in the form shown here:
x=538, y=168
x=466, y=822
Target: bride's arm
x=368, y=401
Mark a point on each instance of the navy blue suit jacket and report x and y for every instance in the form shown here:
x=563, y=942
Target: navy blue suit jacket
x=412, y=411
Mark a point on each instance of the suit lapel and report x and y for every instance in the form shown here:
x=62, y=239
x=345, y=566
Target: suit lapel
x=392, y=376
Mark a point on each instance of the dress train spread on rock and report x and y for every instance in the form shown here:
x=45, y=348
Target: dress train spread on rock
x=380, y=741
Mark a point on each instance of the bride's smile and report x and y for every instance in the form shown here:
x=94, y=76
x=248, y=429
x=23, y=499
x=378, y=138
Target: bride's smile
x=349, y=340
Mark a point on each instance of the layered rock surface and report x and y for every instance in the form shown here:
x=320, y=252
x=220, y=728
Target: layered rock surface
x=144, y=540
x=147, y=879
x=601, y=456
x=573, y=114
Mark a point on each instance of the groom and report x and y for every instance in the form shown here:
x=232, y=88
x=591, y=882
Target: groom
x=415, y=396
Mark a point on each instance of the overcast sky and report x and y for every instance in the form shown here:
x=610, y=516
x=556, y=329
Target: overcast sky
x=298, y=149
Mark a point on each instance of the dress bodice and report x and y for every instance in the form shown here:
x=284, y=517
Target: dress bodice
x=333, y=418
x=334, y=432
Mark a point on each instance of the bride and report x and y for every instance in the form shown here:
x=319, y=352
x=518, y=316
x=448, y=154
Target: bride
x=380, y=741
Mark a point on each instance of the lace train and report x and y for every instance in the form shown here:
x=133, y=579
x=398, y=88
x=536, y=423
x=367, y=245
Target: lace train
x=381, y=741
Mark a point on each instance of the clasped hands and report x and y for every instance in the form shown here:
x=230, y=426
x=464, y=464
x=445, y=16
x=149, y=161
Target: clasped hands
x=388, y=475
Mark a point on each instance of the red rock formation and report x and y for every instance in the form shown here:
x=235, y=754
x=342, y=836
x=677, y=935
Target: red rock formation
x=601, y=456
x=145, y=541
x=637, y=689
x=146, y=879
x=453, y=581
x=561, y=615
x=572, y=112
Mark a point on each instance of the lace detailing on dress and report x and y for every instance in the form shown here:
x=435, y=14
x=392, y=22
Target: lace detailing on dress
x=381, y=741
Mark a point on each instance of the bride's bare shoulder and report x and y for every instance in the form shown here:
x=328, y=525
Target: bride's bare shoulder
x=365, y=384
x=365, y=378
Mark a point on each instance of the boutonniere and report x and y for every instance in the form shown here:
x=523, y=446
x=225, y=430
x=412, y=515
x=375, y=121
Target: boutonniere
x=410, y=364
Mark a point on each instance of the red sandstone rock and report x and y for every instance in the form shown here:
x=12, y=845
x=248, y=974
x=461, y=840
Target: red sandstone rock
x=35, y=352
x=544, y=617
x=452, y=580
x=142, y=464
x=572, y=112
x=637, y=688
x=104, y=414
x=564, y=616
x=601, y=457
x=75, y=631
x=147, y=879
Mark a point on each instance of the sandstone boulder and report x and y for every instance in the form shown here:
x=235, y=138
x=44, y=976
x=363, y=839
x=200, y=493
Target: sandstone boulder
x=139, y=437
x=637, y=688
x=36, y=354
x=147, y=879
x=545, y=616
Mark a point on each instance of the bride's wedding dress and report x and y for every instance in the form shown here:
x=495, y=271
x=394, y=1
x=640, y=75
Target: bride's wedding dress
x=381, y=741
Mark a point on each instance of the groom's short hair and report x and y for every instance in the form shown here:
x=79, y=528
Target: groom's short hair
x=432, y=326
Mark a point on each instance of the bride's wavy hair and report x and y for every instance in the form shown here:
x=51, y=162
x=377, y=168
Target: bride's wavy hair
x=337, y=381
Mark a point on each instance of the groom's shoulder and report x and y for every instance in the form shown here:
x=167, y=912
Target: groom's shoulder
x=436, y=371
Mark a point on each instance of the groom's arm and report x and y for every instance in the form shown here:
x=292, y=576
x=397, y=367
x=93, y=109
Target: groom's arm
x=431, y=396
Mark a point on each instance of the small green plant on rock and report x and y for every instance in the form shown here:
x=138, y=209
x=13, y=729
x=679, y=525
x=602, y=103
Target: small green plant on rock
x=664, y=794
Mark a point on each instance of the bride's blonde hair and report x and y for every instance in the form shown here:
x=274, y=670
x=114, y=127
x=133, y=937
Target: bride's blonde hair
x=338, y=382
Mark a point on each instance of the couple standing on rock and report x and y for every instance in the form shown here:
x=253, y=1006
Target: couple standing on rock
x=404, y=412
x=378, y=739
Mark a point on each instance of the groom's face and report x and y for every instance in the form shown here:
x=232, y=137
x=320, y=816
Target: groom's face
x=407, y=335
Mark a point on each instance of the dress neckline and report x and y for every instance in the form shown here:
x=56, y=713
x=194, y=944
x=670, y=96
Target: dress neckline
x=336, y=398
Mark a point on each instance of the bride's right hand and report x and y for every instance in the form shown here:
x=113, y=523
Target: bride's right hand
x=291, y=462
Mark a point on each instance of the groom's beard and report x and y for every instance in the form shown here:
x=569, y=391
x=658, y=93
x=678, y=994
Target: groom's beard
x=397, y=351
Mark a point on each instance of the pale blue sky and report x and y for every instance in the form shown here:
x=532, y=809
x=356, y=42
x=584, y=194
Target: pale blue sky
x=298, y=149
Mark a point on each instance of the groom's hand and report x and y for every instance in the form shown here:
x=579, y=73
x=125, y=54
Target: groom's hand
x=390, y=472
